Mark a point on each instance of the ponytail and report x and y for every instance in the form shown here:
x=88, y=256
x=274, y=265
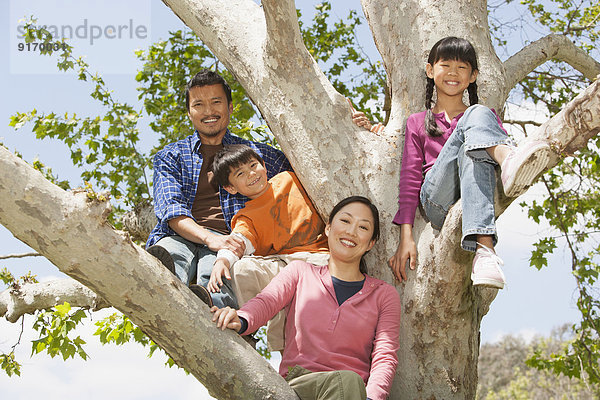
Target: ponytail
x=473, y=98
x=430, y=125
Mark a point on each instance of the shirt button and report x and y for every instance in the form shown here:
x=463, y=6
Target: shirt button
x=360, y=292
x=334, y=321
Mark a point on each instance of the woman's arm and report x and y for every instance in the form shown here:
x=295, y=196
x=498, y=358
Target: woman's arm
x=384, y=357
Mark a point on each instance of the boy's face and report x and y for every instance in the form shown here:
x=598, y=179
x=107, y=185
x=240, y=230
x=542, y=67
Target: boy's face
x=248, y=179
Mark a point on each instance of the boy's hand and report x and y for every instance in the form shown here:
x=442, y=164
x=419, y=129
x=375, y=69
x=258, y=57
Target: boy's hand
x=226, y=318
x=221, y=268
x=229, y=242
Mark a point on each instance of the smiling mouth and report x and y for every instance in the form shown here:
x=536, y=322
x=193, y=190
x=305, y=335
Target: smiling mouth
x=347, y=243
x=254, y=182
x=210, y=120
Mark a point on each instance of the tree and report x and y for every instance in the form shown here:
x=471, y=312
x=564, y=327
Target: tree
x=442, y=311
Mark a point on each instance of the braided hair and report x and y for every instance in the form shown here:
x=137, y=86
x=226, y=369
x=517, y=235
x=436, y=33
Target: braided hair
x=448, y=48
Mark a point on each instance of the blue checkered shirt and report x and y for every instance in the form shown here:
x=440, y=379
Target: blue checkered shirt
x=176, y=173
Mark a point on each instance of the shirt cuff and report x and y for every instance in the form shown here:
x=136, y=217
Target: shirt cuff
x=244, y=325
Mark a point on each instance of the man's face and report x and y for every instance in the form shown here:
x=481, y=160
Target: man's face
x=209, y=112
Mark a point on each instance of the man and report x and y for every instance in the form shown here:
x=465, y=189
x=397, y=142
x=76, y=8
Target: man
x=193, y=213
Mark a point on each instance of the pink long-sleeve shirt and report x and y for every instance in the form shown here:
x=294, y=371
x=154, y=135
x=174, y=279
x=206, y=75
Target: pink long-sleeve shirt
x=419, y=155
x=361, y=335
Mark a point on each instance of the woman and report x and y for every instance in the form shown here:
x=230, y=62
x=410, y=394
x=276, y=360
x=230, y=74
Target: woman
x=342, y=325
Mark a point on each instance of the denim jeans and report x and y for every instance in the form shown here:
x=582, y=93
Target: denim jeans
x=197, y=259
x=464, y=169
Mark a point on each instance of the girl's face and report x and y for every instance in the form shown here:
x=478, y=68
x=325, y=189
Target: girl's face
x=451, y=77
x=350, y=232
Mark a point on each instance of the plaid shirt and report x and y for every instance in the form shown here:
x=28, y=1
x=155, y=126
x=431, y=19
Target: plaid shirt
x=176, y=173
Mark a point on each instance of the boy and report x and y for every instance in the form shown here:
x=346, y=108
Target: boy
x=278, y=224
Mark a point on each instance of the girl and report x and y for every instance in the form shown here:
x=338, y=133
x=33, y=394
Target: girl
x=326, y=348
x=451, y=151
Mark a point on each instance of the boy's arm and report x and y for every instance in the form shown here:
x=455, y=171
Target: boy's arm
x=230, y=257
x=225, y=259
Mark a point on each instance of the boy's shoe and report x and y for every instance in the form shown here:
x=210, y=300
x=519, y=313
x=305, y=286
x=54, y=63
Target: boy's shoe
x=523, y=165
x=251, y=340
x=163, y=256
x=486, y=269
x=202, y=293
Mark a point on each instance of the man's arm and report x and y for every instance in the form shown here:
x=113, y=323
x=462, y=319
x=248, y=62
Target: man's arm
x=171, y=204
x=188, y=229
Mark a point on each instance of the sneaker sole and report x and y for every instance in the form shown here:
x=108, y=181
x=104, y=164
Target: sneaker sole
x=491, y=283
x=202, y=293
x=525, y=175
x=163, y=256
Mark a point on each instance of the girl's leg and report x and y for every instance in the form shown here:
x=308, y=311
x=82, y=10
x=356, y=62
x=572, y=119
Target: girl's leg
x=475, y=132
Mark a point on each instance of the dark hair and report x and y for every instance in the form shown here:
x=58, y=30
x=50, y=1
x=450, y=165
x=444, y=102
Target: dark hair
x=204, y=78
x=229, y=157
x=374, y=211
x=449, y=48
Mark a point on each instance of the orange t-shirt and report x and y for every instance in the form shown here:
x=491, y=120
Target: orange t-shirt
x=282, y=220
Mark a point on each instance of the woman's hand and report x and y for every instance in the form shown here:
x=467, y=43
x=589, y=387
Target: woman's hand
x=226, y=318
x=407, y=251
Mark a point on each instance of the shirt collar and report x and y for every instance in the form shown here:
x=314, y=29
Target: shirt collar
x=196, y=142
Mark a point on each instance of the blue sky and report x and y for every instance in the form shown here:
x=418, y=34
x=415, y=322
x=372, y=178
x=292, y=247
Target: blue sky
x=533, y=303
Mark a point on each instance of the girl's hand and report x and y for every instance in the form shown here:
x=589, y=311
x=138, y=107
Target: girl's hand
x=360, y=119
x=406, y=252
x=226, y=318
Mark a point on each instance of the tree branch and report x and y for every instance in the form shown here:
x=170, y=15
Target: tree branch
x=23, y=255
x=71, y=231
x=553, y=46
x=31, y=297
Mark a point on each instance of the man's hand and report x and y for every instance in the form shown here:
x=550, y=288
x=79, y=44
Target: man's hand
x=220, y=269
x=230, y=242
x=188, y=229
x=226, y=318
x=407, y=251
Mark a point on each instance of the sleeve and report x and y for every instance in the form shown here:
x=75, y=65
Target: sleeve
x=244, y=227
x=169, y=199
x=277, y=295
x=411, y=174
x=230, y=256
x=384, y=357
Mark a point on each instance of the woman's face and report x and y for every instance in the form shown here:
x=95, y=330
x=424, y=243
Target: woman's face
x=350, y=232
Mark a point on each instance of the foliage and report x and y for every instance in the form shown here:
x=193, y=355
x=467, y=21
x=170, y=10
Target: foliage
x=9, y=365
x=504, y=375
x=7, y=360
x=573, y=202
x=54, y=327
x=352, y=73
x=103, y=146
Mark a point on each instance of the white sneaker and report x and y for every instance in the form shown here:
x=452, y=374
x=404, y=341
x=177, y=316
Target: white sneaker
x=486, y=268
x=523, y=165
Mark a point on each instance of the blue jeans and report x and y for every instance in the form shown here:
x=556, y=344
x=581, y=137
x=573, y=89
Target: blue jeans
x=197, y=259
x=465, y=169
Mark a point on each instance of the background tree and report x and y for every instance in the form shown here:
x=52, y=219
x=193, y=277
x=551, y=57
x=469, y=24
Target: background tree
x=442, y=311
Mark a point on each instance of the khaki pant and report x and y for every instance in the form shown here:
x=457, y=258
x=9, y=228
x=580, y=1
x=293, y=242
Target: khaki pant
x=328, y=385
x=251, y=274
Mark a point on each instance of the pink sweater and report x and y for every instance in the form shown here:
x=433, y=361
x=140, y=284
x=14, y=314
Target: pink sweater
x=361, y=335
x=420, y=153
